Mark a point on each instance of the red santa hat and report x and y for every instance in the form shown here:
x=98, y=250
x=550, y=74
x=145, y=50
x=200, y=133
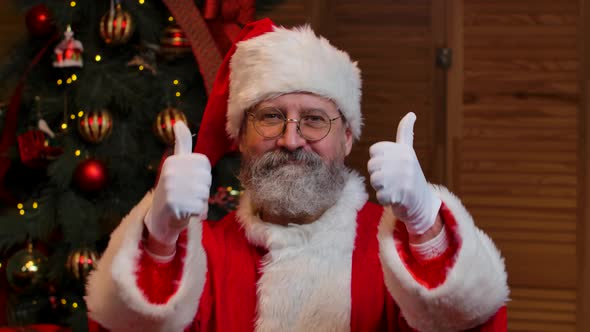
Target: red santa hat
x=268, y=61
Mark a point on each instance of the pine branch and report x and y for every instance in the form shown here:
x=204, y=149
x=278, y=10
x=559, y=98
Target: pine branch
x=13, y=230
x=78, y=218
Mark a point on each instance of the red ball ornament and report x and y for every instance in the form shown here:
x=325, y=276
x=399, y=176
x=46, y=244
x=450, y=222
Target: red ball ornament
x=39, y=21
x=91, y=175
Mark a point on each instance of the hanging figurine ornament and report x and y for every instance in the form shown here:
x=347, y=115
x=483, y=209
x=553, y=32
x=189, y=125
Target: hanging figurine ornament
x=117, y=25
x=34, y=149
x=95, y=126
x=34, y=145
x=68, y=53
x=165, y=122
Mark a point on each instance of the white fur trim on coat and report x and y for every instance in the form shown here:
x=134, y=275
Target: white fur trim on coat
x=306, y=274
x=113, y=297
x=474, y=289
x=292, y=60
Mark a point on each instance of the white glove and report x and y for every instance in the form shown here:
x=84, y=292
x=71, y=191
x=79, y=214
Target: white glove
x=398, y=180
x=182, y=190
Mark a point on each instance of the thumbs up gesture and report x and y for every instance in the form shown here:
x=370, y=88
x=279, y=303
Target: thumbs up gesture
x=399, y=181
x=182, y=190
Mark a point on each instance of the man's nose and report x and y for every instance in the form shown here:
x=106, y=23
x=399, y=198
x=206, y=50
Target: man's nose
x=290, y=139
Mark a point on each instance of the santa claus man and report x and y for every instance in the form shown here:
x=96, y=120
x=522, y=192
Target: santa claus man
x=305, y=251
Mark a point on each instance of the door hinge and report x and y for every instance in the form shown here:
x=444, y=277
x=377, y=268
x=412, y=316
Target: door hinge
x=444, y=57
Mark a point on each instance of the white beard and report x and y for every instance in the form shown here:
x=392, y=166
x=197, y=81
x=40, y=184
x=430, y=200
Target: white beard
x=293, y=185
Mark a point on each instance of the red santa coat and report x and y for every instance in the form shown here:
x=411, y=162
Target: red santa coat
x=340, y=273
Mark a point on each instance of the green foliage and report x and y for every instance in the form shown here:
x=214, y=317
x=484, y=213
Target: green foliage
x=65, y=218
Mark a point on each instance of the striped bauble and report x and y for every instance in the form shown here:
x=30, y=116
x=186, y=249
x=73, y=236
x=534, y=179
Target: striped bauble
x=80, y=262
x=95, y=126
x=116, y=26
x=174, y=41
x=164, y=123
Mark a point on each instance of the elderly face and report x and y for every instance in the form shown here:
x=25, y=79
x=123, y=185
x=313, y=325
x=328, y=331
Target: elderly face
x=290, y=176
x=335, y=146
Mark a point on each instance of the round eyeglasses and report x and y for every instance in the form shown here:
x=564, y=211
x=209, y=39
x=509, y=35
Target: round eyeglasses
x=270, y=122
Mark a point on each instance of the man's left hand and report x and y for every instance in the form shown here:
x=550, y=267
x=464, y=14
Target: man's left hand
x=399, y=181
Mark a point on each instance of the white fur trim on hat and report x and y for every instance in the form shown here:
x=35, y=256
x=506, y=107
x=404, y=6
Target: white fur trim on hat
x=292, y=60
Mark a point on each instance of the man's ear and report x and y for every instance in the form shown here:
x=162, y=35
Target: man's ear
x=240, y=145
x=241, y=135
x=348, y=142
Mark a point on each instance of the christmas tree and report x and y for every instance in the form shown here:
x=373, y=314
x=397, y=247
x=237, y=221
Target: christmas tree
x=97, y=88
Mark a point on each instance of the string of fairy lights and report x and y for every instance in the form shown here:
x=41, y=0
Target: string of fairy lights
x=64, y=126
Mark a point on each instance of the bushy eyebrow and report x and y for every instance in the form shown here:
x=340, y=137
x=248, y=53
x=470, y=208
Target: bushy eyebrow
x=303, y=110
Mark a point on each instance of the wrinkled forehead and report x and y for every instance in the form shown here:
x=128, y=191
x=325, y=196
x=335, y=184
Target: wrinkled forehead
x=298, y=101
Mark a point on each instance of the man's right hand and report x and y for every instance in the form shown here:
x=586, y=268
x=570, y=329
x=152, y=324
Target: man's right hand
x=182, y=190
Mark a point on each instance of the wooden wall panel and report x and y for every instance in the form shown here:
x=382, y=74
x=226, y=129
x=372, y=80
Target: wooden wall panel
x=516, y=162
x=286, y=13
x=394, y=43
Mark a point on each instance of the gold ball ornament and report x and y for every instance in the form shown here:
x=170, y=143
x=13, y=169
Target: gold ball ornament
x=26, y=269
x=95, y=126
x=163, y=127
x=80, y=262
x=116, y=26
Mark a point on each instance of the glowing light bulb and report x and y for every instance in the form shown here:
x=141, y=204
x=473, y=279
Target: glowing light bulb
x=97, y=58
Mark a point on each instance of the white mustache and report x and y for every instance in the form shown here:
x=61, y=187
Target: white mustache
x=281, y=157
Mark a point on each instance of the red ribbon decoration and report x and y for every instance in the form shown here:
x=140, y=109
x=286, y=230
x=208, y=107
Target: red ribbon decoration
x=204, y=49
x=210, y=9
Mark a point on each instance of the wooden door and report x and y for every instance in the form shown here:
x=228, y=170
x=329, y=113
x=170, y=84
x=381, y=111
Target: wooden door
x=514, y=111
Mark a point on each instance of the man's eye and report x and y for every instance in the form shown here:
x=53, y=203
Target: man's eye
x=313, y=118
x=270, y=116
